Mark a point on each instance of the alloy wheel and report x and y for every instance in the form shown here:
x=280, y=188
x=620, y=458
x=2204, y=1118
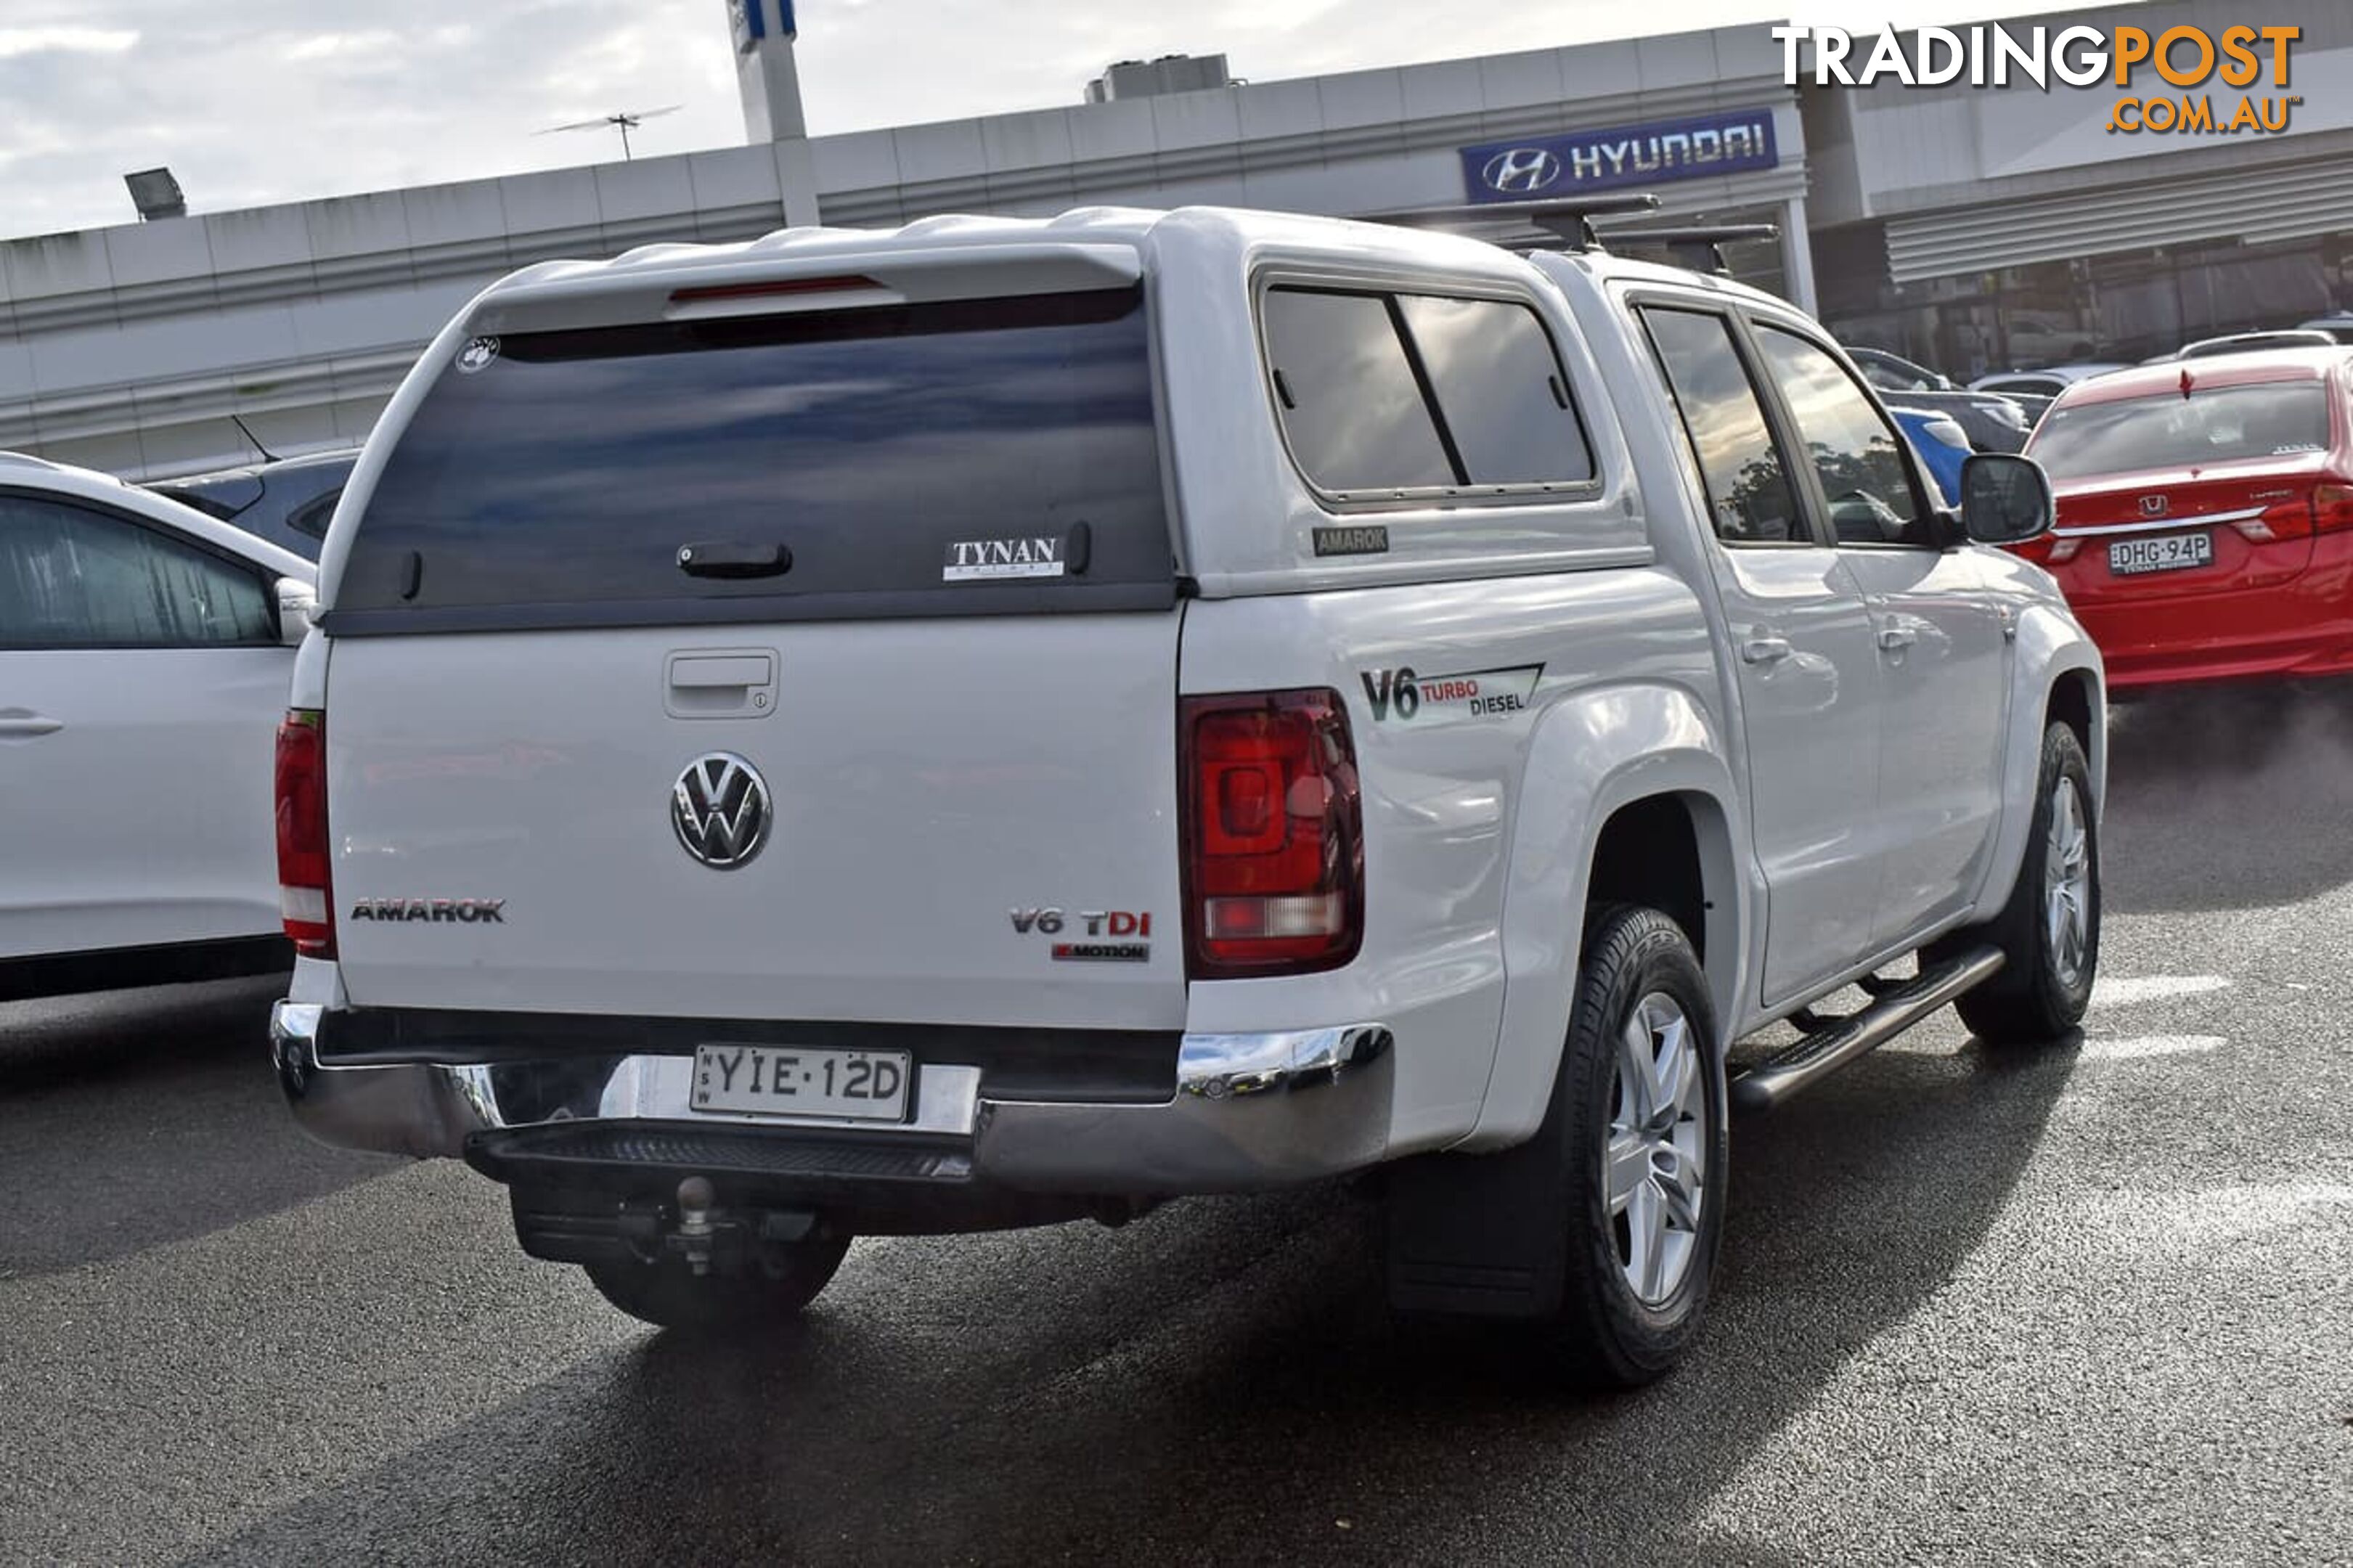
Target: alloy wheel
x=2067, y=885
x=1656, y=1160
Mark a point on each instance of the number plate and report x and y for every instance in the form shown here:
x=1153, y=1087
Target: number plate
x=789, y=1081
x=2166, y=552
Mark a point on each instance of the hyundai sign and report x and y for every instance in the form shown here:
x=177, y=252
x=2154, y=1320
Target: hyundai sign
x=1547, y=167
x=750, y=20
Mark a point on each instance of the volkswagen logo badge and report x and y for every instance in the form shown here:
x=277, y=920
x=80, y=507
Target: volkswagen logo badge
x=1520, y=171
x=720, y=808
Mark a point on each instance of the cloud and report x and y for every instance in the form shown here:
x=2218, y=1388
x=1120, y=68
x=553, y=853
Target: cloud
x=325, y=45
x=19, y=41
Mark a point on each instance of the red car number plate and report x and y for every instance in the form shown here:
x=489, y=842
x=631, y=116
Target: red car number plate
x=2166, y=552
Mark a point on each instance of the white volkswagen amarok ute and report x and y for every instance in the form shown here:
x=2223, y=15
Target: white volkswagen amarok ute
x=1001, y=721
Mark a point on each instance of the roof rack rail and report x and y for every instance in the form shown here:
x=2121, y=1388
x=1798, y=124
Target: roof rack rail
x=1699, y=247
x=1567, y=221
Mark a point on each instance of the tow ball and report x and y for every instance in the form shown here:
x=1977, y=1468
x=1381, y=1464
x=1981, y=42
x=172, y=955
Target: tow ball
x=707, y=1238
x=695, y=1230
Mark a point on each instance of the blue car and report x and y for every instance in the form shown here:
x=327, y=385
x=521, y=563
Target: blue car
x=1943, y=447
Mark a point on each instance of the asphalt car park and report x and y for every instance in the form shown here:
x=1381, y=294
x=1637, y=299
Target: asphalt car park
x=2082, y=1305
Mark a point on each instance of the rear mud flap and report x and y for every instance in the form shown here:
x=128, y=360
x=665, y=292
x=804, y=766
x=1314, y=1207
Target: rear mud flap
x=1479, y=1236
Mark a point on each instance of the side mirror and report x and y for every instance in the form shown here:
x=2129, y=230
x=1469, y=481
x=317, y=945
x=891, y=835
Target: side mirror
x=2005, y=499
x=296, y=600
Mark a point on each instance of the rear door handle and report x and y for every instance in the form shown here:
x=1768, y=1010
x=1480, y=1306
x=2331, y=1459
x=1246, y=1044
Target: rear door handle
x=1765, y=648
x=22, y=724
x=720, y=683
x=1895, y=639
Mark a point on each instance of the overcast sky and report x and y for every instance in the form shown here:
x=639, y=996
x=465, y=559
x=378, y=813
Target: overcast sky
x=251, y=101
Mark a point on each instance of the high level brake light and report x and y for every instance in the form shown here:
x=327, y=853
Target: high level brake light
x=305, y=893
x=773, y=288
x=1274, y=865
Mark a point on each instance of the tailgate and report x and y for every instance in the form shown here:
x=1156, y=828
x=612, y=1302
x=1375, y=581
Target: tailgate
x=815, y=664
x=924, y=781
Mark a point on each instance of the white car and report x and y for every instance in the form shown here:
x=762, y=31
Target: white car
x=145, y=650
x=1000, y=721
x=2045, y=383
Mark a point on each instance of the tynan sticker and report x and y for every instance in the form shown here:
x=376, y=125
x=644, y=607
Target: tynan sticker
x=1399, y=696
x=1371, y=541
x=976, y=560
x=477, y=355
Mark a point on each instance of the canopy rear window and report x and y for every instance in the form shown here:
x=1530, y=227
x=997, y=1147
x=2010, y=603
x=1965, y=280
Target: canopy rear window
x=971, y=457
x=2167, y=430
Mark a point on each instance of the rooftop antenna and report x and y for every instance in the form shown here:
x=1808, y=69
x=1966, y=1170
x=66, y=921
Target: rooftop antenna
x=624, y=121
x=267, y=455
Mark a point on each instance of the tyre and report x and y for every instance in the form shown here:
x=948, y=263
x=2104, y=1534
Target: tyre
x=670, y=1295
x=1637, y=1114
x=2048, y=931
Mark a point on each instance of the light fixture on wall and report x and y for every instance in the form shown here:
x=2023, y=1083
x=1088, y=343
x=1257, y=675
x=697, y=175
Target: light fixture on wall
x=156, y=193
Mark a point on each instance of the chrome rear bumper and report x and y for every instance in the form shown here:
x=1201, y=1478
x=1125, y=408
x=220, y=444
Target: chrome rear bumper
x=1251, y=1111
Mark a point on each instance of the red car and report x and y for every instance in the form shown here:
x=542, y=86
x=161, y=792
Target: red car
x=2205, y=526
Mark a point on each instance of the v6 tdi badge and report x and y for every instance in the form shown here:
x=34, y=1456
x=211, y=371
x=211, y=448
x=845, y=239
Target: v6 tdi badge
x=1130, y=932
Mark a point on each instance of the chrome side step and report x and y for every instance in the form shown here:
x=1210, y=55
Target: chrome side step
x=1805, y=1063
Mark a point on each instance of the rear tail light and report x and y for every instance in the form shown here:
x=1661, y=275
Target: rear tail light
x=1274, y=863
x=305, y=895
x=2332, y=508
x=2047, y=548
x=2286, y=519
x=2329, y=510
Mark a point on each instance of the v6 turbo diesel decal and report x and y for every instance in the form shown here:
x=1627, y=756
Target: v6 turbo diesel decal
x=1399, y=696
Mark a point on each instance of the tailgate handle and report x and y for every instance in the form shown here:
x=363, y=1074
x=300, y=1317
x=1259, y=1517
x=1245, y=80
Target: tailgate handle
x=692, y=673
x=722, y=683
x=734, y=558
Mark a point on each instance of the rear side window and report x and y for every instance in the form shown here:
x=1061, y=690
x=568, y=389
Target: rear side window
x=953, y=457
x=1382, y=392
x=2218, y=425
x=1351, y=404
x=312, y=516
x=1501, y=389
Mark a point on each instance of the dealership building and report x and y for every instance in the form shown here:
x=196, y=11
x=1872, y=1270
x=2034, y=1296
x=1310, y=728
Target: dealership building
x=1972, y=228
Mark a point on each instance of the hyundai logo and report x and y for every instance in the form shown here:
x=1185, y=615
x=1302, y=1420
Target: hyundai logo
x=1520, y=171
x=720, y=809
